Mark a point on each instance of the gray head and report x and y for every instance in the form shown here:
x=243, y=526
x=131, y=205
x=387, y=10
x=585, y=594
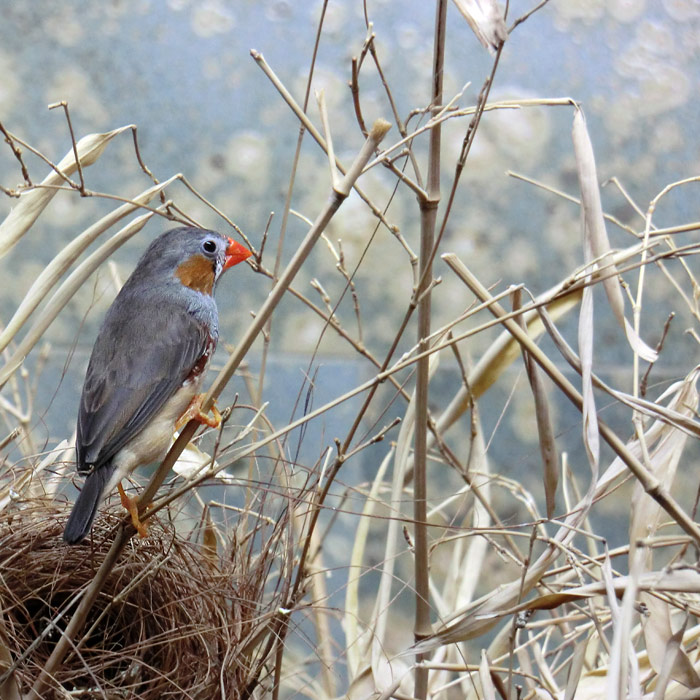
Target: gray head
x=191, y=256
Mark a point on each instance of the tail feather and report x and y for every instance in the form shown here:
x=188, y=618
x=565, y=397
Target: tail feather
x=83, y=514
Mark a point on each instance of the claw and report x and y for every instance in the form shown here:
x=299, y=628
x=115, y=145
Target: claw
x=194, y=412
x=130, y=505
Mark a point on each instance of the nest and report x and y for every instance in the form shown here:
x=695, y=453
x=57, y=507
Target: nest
x=169, y=623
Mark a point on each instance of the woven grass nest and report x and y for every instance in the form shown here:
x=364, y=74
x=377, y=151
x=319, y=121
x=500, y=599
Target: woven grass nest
x=168, y=623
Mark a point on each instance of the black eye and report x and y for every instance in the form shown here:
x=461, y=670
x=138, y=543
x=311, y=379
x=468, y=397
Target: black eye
x=209, y=246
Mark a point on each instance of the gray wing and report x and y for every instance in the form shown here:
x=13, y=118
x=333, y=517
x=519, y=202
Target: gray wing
x=140, y=359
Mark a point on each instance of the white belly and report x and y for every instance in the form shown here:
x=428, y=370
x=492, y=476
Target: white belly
x=152, y=443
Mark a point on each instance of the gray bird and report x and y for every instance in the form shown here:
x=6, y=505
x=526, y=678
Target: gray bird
x=147, y=364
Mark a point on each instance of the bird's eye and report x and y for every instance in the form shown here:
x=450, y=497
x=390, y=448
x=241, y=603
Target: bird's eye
x=209, y=246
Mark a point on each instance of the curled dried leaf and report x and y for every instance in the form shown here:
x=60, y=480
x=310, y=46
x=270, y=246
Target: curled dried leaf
x=486, y=21
x=192, y=461
x=34, y=201
x=595, y=233
x=665, y=443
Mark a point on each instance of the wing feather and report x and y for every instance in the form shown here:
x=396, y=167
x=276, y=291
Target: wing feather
x=139, y=361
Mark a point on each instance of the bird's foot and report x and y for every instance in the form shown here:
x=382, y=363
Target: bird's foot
x=194, y=412
x=131, y=505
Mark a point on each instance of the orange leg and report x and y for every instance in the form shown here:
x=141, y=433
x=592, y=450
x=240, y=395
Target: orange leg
x=130, y=505
x=194, y=412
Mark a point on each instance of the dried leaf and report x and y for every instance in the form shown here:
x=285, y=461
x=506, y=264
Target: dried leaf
x=33, y=202
x=545, y=432
x=357, y=651
x=486, y=21
x=591, y=687
x=675, y=581
x=596, y=235
x=623, y=668
x=385, y=670
x=665, y=444
x=361, y=685
x=575, y=668
x=65, y=292
x=66, y=257
x=591, y=435
x=545, y=671
x=192, y=461
x=666, y=654
x=209, y=540
x=468, y=574
x=489, y=692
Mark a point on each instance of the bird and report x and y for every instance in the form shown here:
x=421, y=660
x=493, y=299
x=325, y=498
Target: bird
x=147, y=365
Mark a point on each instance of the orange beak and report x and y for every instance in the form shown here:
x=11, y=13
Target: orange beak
x=235, y=253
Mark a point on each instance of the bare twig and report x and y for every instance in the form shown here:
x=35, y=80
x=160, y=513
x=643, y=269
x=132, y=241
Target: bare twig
x=64, y=104
x=428, y=209
x=17, y=153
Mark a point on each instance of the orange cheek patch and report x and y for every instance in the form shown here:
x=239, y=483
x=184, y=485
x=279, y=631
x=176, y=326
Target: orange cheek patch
x=197, y=273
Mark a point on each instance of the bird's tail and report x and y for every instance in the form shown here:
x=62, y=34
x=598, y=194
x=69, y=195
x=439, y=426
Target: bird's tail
x=85, y=508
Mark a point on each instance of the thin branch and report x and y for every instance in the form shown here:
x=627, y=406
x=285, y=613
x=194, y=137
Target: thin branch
x=17, y=153
x=428, y=209
x=527, y=15
x=64, y=104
